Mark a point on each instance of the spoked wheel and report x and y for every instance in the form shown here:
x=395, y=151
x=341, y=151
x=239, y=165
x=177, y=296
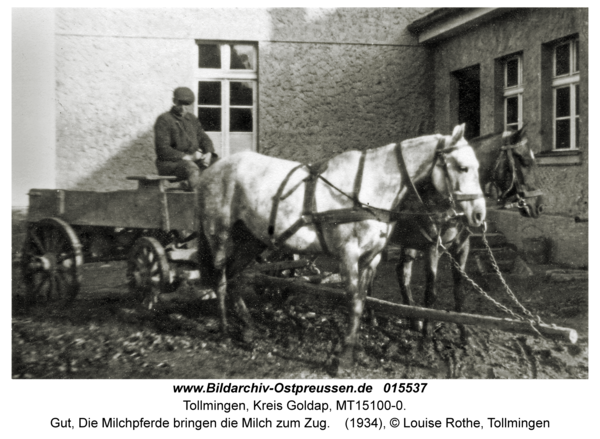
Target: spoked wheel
x=148, y=271
x=51, y=262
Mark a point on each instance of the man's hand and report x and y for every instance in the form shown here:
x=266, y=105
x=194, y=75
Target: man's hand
x=206, y=159
x=188, y=157
x=198, y=156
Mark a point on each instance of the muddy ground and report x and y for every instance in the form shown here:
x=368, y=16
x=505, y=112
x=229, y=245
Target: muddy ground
x=103, y=334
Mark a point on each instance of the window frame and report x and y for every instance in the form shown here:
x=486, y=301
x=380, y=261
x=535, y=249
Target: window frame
x=225, y=75
x=571, y=80
x=512, y=91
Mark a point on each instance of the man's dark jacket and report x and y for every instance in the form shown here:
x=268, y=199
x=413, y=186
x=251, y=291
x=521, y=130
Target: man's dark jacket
x=176, y=136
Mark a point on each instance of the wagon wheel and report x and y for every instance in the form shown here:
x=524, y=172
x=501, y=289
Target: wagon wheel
x=51, y=261
x=148, y=271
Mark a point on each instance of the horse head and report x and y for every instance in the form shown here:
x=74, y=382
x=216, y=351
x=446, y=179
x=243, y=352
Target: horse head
x=456, y=176
x=513, y=175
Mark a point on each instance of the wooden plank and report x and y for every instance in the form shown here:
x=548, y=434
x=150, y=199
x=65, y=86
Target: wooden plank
x=45, y=203
x=144, y=209
x=128, y=209
x=182, y=212
x=283, y=265
x=508, y=325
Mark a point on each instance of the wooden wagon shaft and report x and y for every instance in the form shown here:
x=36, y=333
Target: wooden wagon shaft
x=283, y=265
x=508, y=325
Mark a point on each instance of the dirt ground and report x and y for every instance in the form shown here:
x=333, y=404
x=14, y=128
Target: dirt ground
x=103, y=334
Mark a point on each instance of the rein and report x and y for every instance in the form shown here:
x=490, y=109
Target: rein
x=360, y=211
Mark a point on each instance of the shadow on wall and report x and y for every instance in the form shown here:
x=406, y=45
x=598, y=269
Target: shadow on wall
x=135, y=158
x=354, y=83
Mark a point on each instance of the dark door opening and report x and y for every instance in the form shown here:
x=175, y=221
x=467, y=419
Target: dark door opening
x=469, y=100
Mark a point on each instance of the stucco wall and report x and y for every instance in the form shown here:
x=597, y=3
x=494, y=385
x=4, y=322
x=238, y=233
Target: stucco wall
x=566, y=241
x=522, y=30
x=565, y=187
x=329, y=80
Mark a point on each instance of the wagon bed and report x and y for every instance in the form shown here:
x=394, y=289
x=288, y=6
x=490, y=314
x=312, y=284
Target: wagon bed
x=152, y=227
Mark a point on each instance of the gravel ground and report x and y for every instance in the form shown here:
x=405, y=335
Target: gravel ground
x=103, y=334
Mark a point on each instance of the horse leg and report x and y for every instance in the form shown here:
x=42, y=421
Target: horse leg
x=431, y=267
x=367, y=278
x=349, y=268
x=460, y=253
x=359, y=275
x=371, y=317
x=221, y=289
x=244, y=249
x=403, y=274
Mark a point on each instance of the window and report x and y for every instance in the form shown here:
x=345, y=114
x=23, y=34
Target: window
x=227, y=78
x=513, y=92
x=468, y=100
x=565, y=95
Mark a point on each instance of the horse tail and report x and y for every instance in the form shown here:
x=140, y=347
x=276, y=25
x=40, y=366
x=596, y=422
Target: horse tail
x=208, y=271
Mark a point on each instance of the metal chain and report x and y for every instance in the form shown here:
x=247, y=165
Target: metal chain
x=477, y=288
x=506, y=287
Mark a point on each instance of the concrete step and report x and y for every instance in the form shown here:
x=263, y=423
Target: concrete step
x=494, y=239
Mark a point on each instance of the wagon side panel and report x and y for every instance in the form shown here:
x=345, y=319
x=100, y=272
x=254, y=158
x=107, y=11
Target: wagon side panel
x=182, y=210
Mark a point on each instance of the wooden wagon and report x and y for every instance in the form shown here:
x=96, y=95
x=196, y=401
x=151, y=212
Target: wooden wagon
x=152, y=228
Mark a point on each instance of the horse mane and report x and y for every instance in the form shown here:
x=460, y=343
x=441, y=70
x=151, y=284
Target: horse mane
x=486, y=136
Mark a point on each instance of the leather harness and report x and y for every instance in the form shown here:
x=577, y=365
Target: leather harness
x=521, y=194
x=359, y=212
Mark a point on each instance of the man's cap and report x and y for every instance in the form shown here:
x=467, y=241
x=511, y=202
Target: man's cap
x=184, y=95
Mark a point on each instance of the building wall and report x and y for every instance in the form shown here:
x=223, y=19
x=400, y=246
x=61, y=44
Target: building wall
x=565, y=187
x=525, y=30
x=329, y=80
x=33, y=121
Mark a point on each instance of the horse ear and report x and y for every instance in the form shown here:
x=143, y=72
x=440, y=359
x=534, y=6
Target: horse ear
x=458, y=133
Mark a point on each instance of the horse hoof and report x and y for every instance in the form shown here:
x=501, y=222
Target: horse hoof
x=247, y=335
x=417, y=325
x=345, y=361
x=333, y=367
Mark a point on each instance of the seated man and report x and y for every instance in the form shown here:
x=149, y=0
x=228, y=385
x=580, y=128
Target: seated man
x=183, y=149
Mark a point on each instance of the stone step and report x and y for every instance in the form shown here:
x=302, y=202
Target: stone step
x=495, y=239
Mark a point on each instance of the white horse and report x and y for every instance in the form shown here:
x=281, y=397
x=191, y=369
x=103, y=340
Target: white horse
x=237, y=196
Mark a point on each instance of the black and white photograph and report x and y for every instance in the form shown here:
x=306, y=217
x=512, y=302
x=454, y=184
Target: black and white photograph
x=300, y=193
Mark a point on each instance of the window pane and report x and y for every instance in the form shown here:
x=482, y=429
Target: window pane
x=576, y=55
x=512, y=72
x=209, y=56
x=241, y=93
x=240, y=120
x=577, y=100
x=512, y=110
x=210, y=118
x=209, y=93
x=577, y=132
x=243, y=57
x=563, y=101
x=563, y=133
x=562, y=60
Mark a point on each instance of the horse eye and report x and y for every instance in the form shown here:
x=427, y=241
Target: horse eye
x=463, y=169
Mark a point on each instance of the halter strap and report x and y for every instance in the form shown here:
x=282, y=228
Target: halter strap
x=521, y=194
x=358, y=179
x=452, y=195
x=404, y=170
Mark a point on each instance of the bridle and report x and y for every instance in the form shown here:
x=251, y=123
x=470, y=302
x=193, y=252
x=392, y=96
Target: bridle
x=440, y=157
x=452, y=197
x=519, y=199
